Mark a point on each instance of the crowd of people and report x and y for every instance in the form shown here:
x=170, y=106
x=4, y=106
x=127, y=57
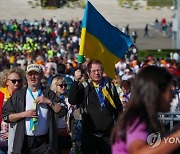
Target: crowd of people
x=51, y=105
x=24, y=41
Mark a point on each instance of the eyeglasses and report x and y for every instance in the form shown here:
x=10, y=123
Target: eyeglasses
x=94, y=71
x=62, y=85
x=14, y=80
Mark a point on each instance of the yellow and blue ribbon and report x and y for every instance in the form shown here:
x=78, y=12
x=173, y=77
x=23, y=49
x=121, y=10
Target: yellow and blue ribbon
x=101, y=91
x=34, y=121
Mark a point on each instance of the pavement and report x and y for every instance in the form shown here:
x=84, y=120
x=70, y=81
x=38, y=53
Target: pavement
x=155, y=41
x=116, y=15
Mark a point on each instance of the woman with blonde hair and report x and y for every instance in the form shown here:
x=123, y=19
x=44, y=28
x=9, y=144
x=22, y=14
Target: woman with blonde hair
x=11, y=81
x=59, y=85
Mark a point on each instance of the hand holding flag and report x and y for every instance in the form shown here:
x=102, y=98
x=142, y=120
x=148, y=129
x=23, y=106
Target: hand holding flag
x=102, y=41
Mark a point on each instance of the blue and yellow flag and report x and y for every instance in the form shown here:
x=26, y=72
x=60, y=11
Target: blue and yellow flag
x=102, y=41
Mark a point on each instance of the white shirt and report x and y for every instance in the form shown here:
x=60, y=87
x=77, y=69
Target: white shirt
x=175, y=56
x=42, y=127
x=126, y=76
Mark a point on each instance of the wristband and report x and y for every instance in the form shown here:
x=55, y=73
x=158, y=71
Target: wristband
x=52, y=105
x=6, y=118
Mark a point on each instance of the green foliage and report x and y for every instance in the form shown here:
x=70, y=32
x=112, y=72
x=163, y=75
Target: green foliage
x=165, y=53
x=30, y=2
x=76, y=3
x=135, y=5
x=34, y=3
x=83, y=4
x=129, y=4
x=160, y=3
x=43, y=3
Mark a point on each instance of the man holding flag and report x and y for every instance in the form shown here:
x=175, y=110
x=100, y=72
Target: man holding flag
x=97, y=96
x=100, y=106
x=32, y=109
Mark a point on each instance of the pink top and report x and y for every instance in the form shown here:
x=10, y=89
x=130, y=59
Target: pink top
x=139, y=133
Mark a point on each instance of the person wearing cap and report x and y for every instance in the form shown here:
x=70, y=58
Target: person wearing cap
x=32, y=109
x=127, y=74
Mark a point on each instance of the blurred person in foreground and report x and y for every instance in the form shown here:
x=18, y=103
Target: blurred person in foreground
x=151, y=94
x=100, y=107
x=11, y=81
x=32, y=109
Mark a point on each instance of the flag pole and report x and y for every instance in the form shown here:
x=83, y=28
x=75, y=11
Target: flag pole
x=81, y=49
x=81, y=58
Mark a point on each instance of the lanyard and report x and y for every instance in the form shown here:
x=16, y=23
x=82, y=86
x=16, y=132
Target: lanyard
x=99, y=92
x=34, y=121
x=102, y=92
x=39, y=93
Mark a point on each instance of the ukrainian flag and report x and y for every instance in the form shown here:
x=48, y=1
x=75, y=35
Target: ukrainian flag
x=102, y=41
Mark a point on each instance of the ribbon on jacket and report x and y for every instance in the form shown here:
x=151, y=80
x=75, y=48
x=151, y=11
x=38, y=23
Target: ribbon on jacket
x=101, y=90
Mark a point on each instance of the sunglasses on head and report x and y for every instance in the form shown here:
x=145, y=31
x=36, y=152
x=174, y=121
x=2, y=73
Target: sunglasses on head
x=14, y=80
x=62, y=85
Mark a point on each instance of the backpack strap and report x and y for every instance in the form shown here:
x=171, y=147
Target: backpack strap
x=109, y=84
x=83, y=107
x=108, y=94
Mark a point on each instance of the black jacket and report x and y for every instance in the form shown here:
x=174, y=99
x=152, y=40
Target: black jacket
x=97, y=119
x=17, y=104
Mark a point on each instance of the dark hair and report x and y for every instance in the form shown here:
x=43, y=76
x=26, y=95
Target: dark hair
x=148, y=87
x=94, y=61
x=126, y=84
x=61, y=68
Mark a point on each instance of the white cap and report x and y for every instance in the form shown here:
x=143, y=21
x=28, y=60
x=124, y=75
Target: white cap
x=127, y=70
x=34, y=67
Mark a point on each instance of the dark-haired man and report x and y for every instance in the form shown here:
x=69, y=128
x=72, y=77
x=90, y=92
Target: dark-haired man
x=101, y=105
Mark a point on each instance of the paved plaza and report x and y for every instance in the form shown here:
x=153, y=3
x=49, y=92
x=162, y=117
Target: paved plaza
x=116, y=15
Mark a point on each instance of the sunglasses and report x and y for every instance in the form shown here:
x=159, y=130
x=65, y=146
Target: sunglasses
x=62, y=85
x=14, y=80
